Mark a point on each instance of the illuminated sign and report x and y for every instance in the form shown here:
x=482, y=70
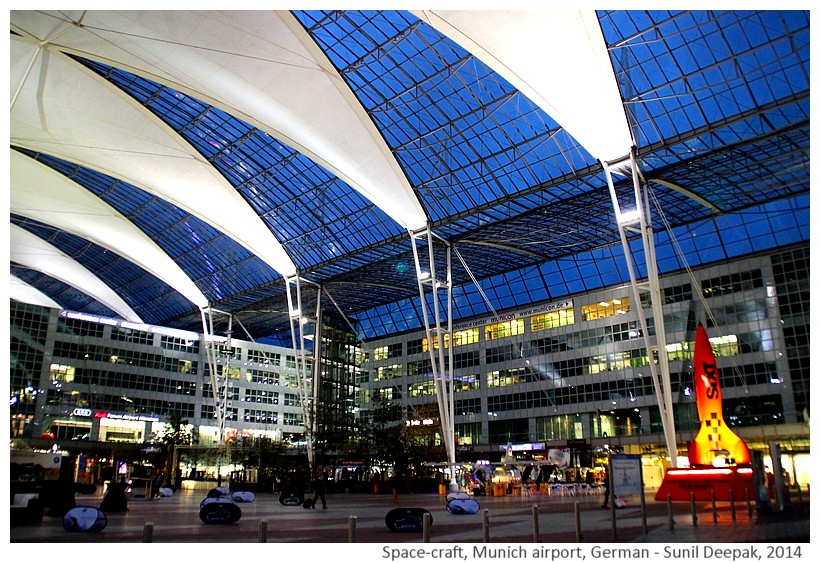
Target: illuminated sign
x=522, y=447
x=81, y=412
x=127, y=416
x=176, y=333
x=553, y=306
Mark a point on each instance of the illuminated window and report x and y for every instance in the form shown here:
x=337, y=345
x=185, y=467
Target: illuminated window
x=466, y=382
x=504, y=329
x=504, y=377
x=387, y=394
x=552, y=319
x=725, y=345
x=460, y=338
x=423, y=388
x=679, y=351
x=388, y=372
x=610, y=362
x=59, y=372
x=604, y=309
x=387, y=352
x=466, y=336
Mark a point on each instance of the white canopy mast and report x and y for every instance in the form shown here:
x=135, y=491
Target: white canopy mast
x=308, y=367
x=433, y=284
x=632, y=214
x=219, y=385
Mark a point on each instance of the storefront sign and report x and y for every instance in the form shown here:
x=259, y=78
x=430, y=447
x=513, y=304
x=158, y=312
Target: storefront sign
x=127, y=416
x=553, y=306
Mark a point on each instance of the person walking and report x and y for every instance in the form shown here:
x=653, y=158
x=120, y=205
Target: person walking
x=606, y=487
x=394, y=486
x=319, y=487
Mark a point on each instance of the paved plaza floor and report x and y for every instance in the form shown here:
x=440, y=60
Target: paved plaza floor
x=360, y=518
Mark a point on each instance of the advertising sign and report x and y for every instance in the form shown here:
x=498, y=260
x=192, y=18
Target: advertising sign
x=559, y=458
x=625, y=472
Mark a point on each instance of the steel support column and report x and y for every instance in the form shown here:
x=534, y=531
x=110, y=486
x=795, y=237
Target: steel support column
x=307, y=366
x=433, y=290
x=219, y=386
x=632, y=214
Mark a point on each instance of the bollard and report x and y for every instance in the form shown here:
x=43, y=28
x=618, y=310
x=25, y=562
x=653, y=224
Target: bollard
x=485, y=526
x=671, y=516
x=535, y=531
x=262, y=532
x=148, y=532
x=425, y=527
x=748, y=503
x=613, y=520
x=351, y=529
x=732, y=505
x=714, y=506
x=800, y=496
x=643, y=512
x=578, y=535
x=694, y=510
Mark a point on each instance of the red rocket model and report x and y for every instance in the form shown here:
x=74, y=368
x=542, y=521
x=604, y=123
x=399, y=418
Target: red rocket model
x=714, y=438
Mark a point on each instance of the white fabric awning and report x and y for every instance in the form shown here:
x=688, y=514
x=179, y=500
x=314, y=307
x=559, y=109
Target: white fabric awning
x=40, y=193
x=558, y=58
x=33, y=252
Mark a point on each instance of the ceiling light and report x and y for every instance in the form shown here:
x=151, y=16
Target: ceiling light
x=628, y=216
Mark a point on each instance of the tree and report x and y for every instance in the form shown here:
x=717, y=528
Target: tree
x=175, y=433
x=264, y=455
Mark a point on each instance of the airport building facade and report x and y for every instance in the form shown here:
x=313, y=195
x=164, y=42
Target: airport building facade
x=571, y=374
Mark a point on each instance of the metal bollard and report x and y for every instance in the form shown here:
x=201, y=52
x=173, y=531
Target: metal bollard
x=748, y=503
x=800, y=496
x=262, y=532
x=714, y=507
x=485, y=526
x=148, y=532
x=613, y=519
x=426, y=520
x=535, y=527
x=732, y=505
x=351, y=529
x=669, y=510
x=694, y=510
x=578, y=535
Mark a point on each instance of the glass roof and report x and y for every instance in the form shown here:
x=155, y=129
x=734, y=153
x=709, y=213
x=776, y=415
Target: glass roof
x=718, y=103
x=223, y=269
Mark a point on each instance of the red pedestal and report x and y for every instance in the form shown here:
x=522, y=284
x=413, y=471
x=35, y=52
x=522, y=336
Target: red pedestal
x=681, y=483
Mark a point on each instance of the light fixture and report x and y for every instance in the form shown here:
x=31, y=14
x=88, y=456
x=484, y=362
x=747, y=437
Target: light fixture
x=628, y=216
